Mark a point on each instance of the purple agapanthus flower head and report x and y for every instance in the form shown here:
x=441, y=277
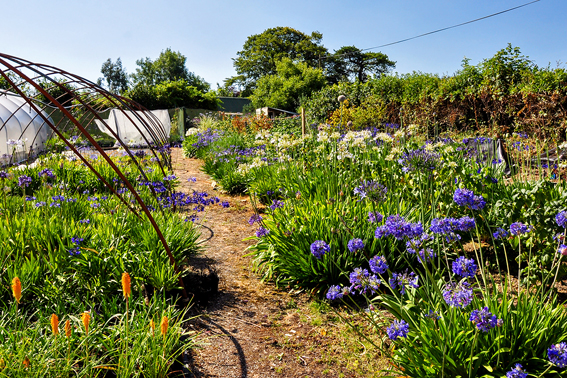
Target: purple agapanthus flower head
x=465, y=197
x=355, y=245
x=403, y=281
x=557, y=354
x=375, y=217
x=458, y=294
x=372, y=190
x=363, y=281
x=24, y=181
x=254, y=218
x=464, y=267
x=399, y=228
x=483, y=319
x=500, y=233
x=47, y=173
x=276, y=204
x=334, y=292
x=319, y=248
x=517, y=372
x=561, y=219
x=378, y=264
x=518, y=228
x=261, y=232
x=399, y=328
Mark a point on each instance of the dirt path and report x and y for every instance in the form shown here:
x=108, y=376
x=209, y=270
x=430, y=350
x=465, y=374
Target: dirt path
x=250, y=328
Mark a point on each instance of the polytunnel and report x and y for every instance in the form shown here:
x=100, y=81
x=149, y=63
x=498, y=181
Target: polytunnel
x=23, y=131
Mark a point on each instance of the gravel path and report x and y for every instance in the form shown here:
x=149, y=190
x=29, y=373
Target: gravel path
x=246, y=328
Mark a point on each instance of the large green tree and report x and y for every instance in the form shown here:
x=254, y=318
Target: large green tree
x=261, y=52
x=350, y=63
x=114, y=75
x=285, y=89
x=169, y=66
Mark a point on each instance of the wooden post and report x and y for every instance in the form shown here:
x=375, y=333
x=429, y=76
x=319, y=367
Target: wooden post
x=302, y=122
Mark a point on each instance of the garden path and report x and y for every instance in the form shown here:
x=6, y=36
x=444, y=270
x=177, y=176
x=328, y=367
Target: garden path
x=250, y=329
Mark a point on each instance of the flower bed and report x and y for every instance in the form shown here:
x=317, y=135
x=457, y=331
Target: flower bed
x=459, y=246
x=66, y=243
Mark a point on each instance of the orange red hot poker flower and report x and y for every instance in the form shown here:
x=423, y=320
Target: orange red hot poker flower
x=17, y=289
x=86, y=318
x=55, y=324
x=126, y=289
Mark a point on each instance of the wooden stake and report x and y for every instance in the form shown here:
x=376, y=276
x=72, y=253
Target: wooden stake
x=302, y=122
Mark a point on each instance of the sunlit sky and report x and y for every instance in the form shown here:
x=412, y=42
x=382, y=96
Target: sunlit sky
x=78, y=36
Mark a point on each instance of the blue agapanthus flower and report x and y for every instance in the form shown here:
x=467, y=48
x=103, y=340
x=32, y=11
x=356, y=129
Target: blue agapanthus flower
x=375, y=217
x=483, y=319
x=517, y=372
x=276, y=204
x=518, y=228
x=561, y=219
x=414, y=245
x=420, y=160
x=378, y=264
x=466, y=197
x=458, y=294
x=464, y=267
x=372, y=190
x=319, y=248
x=334, y=292
x=404, y=280
x=254, y=218
x=261, y=232
x=399, y=328
x=24, y=181
x=399, y=228
x=433, y=315
x=557, y=354
x=500, y=233
x=355, y=245
x=449, y=226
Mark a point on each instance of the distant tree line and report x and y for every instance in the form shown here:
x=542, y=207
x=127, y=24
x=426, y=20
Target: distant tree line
x=163, y=83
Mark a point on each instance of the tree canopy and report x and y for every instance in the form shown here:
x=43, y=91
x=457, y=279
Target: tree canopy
x=115, y=76
x=169, y=66
x=292, y=82
x=350, y=63
x=261, y=52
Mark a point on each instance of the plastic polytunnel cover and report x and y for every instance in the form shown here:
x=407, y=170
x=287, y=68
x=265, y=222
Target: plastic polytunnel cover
x=22, y=129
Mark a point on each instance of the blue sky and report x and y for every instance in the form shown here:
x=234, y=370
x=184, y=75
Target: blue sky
x=78, y=36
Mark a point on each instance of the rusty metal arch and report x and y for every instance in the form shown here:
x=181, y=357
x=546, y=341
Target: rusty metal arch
x=79, y=104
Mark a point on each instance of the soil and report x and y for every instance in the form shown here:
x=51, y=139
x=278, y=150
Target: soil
x=249, y=328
